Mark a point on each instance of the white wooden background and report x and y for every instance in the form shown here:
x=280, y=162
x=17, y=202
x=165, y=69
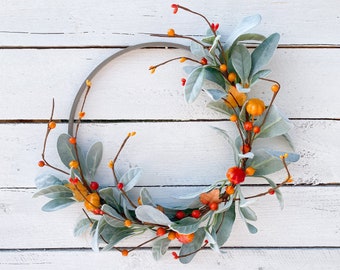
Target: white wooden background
x=49, y=47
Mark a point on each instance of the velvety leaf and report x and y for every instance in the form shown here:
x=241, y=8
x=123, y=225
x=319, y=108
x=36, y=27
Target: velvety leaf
x=221, y=107
x=212, y=238
x=82, y=226
x=112, y=218
x=260, y=74
x=65, y=149
x=146, y=197
x=209, y=39
x=194, y=84
x=242, y=89
x=110, y=197
x=96, y=236
x=54, y=192
x=251, y=228
x=118, y=234
x=191, y=247
x=225, y=207
x=223, y=224
x=246, y=24
x=248, y=213
x=241, y=60
x=265, y=163
x=214, y=75
x=93, y=158
x=160, y=247
x=215, y=94
x=130, y=178
x=57, y=204
x=277, y=191
x=197, y=50
x=194, y=194
x=149, y=214
x=186, y=225
x=214, y=45
x=276, y=124
x=263, y=53
x=292, y=157
x=231, y=143
x=46, y=180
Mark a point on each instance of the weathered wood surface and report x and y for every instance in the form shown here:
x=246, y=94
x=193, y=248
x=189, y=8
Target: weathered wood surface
x=48, y=49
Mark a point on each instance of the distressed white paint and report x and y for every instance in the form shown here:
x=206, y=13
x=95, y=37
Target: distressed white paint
x=303, y=236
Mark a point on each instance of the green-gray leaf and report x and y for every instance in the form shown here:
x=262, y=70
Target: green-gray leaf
x=54, y=192
x=146, y=197
x=223, y=224
x=118, y=234
x=109, y=196
x=113, y=218
x=241, y=60
x=93, y=158
x=186, y=225
x=194, y=84
x=149, y=214
x=47, y=180
x=82, y=226
x=263, y=53
x=160, y=247
x=57, y=204
x=191, y=247
x=130, y=178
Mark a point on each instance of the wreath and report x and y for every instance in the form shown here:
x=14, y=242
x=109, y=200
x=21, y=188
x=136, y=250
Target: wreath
x=226, y=70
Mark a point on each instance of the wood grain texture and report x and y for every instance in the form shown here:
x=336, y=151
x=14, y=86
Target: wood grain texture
x=235, y=258
x=116, y=23
x=302, y=223
x=59, y=73
x=156, y=148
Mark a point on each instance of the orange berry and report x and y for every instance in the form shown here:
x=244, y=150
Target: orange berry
x=81, y=115
x=245, y=148
x=160, y=231
x=74, y=164
x=185, y=238
x=223, y=68
x=275, y=88
x=255, y=107
x=230, y=190
x=271, y=191
x=72, y=140
x=171, y=33
x=139, y=201
x=41, y=163
x=250, y=171
x=204, y=61
x=127, y=223
x=182, y=60
x=52, y=124
x=88, y=83
x=233, y=118
x=92, y=202
x=231, y=77
x=110, y=164
x=125, y=252
x=256, y=129
x=235, y=175
x=171, y=235
x=248, y=126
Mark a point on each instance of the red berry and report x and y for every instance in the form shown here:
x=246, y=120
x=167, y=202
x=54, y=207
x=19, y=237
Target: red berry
x=41, y=163
x=183, y=80
x=160, y=231
x=180, y=215
x=74, y=180
x=271, y=191
x=245, y=148
x=175, y=255
x=175, y=7
x=256, y=129
x=196, y=213
x=236, y=175
x=248, y=126
x=204, y=61
x=94, y=185
x=120, y=186
x=97, y=211
x=213, y=206
x=214, y=27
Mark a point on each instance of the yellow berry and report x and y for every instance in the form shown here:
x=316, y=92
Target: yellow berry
x=110, y=164
x=88, y=83
x=140, y=201
x=233, y=118
x=223, y=68
x=127, y=223
x=250, y=171
x=275, y=88
x=183, y=59
x=74, y=164
x=152, y=70
x=52, y=124
x=231, y=77
x=255, y=107
x=171, y=33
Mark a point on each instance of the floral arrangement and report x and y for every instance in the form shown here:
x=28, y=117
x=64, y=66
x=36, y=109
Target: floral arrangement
x=226, y=70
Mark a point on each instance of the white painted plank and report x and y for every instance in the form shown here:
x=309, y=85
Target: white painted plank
x=31, y=78
x=169, y=153
x=235, y=258
x=81, y=23
x=310, y=219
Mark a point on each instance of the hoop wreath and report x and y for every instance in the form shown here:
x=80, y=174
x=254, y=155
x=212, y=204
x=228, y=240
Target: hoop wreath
x=111, y=215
